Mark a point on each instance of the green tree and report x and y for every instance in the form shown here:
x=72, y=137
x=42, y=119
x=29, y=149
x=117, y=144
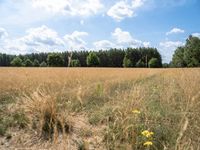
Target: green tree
x=28, y=63
x=192, y=52
x=36, y=63
x=127, y=62
x=75, y=63
x=55, y=60
x=178, y=58
x=115, y=57
x=92, y=60
x=43, y=64
x=188, y=55
x=17, y=62
x=133, y=55
x=154, y=63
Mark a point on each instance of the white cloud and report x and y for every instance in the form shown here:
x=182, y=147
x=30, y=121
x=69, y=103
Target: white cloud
x=3, y=33
x=104, y=45
x=137, y=3
x=171, y=44
x=196, y=35
x=146, y=44
x=123, y=9
x=75, y=41
x=42, y=36
x=120, y=10
x=175, y=31
x=69, y=7
x=122, y=36
x=41, y=39
x=167, y=49
x=124, y=39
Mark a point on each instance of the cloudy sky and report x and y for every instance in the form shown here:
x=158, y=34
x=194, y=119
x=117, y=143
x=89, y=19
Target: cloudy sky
x=28, y=26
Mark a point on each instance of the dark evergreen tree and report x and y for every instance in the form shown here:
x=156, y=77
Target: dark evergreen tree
x=55, y=60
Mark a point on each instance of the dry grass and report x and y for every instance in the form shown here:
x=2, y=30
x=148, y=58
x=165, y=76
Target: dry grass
x=66, y=108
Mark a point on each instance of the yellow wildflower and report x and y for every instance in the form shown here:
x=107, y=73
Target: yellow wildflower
x=147, y=133
x=148, y=143
x=135, y=111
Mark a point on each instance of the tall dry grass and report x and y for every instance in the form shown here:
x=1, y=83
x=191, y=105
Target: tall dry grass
x=95, y=108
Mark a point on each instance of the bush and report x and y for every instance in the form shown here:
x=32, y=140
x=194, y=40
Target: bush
x=36, y=63
x=16, y=62
x=154, y=63
x=93, y=60
x=28, y=63
x=75, y=63
x=43, y=64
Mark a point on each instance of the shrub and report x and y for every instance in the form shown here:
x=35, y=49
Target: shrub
x=75, y=63
x=28, y=63
x=43, y=64
x=93, y=60
x=16, y=62
x=36, y=63
x=153, y=63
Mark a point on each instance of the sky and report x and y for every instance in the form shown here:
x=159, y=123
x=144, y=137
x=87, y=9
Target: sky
x=33, y=26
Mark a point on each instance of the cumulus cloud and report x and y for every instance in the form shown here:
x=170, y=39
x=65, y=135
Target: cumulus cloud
x=42, y=36
x=43, y=39
x=120, y=10
x=103, y=44
x=167, y=49
x=69, y=7
x=122, y=36
x=125, y=39
x=175, y=31
x=123, y=9
x=3, y=33
x=75, y=40
x=196, y=35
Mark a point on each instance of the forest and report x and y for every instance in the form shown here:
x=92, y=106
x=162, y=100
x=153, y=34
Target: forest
x=130, y=57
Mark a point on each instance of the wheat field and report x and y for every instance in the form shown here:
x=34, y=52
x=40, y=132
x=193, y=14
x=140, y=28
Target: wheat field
x=99, y=108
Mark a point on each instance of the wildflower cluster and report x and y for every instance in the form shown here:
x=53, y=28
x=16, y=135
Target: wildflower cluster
x=148, y=135
x=148, y=143
x=135, y=111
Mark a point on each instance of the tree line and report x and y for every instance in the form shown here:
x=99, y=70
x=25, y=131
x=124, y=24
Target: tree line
x=130, y=57
x=187, y=55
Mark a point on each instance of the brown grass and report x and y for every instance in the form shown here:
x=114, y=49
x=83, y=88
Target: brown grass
x=91, y=108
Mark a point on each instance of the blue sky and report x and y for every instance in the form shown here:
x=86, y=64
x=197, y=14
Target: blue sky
x=28, y=26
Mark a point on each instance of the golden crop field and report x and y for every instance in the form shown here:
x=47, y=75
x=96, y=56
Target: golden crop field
x=99, y=109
